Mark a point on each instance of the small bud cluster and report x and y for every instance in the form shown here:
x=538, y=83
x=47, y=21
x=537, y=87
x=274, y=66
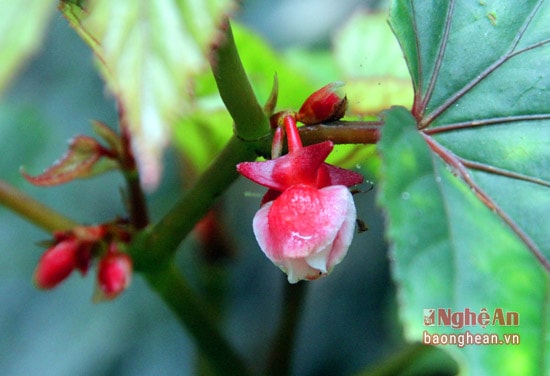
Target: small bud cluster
x=76, y=249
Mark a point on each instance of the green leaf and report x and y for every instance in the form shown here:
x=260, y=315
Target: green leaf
x=451, y=251
x=85, y=158
x=467, y=174
x=22, y=26
x=149, y=52
x=109, y=136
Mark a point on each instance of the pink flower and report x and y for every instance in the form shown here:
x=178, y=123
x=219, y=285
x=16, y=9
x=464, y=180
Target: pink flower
x=307, y=220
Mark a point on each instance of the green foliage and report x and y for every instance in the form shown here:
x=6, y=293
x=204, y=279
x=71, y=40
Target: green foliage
x=451, y=251
x=481, y=241
x=148, y=58
x=465, y=162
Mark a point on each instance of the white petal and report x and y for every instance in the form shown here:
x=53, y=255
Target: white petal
x=319, y=260
x=298, y=269
x=345, y=235
x=262, y=233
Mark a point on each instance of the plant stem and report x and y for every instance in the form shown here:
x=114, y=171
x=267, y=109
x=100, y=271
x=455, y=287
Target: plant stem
x=164, y=238
x=251, y=123
x=197, y=318
x=342, y=132
x=137, y=206
x=33, y=210
x=280, y=358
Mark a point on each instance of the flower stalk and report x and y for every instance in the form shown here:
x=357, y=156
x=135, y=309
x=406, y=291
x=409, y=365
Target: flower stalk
x=32, y=210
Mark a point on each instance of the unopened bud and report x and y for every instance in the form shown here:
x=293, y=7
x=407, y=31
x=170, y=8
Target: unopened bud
x=113, y=275
x=324, y=105
x=56, y=264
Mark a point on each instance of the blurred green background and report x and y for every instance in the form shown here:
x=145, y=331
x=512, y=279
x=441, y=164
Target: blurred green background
x=349, y=320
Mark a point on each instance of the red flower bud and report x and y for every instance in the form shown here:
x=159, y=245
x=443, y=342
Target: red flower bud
x=326, y=104
x=114, y=274
x=56, y=264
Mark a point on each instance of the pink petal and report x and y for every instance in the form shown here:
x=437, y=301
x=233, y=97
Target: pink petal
x=299, y=167
x=341, y=176
x=260, y=173
x=306, y=231
x=304, y=219
x=344, y=237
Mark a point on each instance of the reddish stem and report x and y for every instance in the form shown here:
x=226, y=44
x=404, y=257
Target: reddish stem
x=277, y=144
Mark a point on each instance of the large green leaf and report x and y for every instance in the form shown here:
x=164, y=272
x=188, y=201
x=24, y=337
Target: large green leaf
x=22, y=25
x=467, y=174
x=148, y=52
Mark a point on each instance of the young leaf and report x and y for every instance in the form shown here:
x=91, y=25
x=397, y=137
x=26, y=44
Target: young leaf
x=112, y=138
x=148, y=52
x=481, y=83
x=85, y=158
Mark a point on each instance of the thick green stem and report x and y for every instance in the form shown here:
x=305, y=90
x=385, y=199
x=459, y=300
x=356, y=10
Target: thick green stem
x=251, y=123
x=198, y=319
x=164, y=238
x=32, y=210
x=280, y=358
x=252, y=135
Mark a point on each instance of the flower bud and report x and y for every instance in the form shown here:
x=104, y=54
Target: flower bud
x=324, y=105
x=114, y=274
x=56, y=264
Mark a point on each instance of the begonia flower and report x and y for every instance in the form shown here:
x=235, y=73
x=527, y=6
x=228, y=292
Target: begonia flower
x=306, y=222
